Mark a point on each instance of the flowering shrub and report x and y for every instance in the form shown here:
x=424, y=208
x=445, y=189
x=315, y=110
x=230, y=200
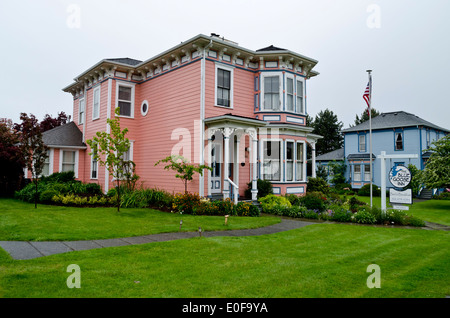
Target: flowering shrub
x=246, y=209
x=363, y=217
x=187, y=203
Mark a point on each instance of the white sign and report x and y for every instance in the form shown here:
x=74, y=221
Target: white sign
x=399, y=176
x=404, y=197
x=400, y=207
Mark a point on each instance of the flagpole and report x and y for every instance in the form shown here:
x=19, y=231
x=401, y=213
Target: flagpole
x=370, y=133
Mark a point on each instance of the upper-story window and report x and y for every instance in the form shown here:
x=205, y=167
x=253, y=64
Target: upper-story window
x=224, y=86
x=271, y=92
x=289, y=94
x=96, y=103
x=398, y=141
x=125, y=99
x=300, y=99
x=362, y=143
x=81, y=112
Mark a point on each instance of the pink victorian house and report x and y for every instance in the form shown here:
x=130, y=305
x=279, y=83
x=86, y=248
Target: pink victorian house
x=242, y=112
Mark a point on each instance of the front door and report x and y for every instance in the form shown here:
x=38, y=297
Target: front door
x=216, y=159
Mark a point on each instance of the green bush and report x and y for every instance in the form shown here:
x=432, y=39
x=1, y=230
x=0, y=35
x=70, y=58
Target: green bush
x=47, y=195
x=271, y=201
x=365, y=191
x=311, y=215
x=314, y=201
x=186, y=203
x=354, y=204
x=442, y=196
x=341, y=214
x=264, y=188
x=317, y=185
x=246, y=209
x=59, y=177
x=364, y=217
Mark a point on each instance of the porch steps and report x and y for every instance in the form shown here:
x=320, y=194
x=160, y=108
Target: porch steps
x=426, y=194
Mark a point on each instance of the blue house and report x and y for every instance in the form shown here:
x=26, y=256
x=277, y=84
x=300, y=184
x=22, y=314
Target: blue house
x=394, y=132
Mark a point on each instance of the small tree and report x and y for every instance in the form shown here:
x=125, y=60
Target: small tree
x=184, y=170
x=33, y=149
x=321, y=172
x=338, y=168
x=109, y=149
x=437, y=173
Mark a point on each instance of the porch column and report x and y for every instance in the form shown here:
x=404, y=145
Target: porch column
x=254, y=191
x=226, y=143
x=209, y=162
x=313, y=148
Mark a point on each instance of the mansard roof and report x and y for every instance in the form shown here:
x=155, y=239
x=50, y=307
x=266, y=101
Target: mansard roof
x=397, y=119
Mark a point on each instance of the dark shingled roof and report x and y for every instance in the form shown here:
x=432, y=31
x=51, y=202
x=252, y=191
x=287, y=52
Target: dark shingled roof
x=125, y=60
x=394, y=120
x=337, y=154
x=358, y=156
x=67, y=135
x=270, y=48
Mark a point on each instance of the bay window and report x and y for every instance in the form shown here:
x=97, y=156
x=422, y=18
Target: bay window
x=272, y=92
x=300, y=100
x=68, y=160
x=357, y=173
x=299, y=161
x=290, y=94
x=271, y=160
x=289, y=161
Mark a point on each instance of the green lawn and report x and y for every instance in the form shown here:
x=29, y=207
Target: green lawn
x=437, y=211
x=320, y=260
x=19, y=221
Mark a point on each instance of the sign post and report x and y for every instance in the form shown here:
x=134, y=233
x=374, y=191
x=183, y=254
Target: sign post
x=398, y=177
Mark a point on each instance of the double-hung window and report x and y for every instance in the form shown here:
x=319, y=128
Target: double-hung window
x=125, y=96
x=357, y=173
x=46, y=167
x=271, y=162
x=96, y=103
x=299, y=161
x=362, y=143
x=223, y=88
x=289, y=161
x=367, y=173
x=300, y=100
x=272, y=92
x=81, y=112
x=94, y=166
x=68, y=160
x=289, y=94
x=398, y=141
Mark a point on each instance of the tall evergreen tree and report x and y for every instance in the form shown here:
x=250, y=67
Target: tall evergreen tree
x=327, y=125
x=365, y=116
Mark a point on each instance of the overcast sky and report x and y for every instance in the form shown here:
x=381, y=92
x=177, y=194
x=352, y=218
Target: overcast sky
x=45, y=44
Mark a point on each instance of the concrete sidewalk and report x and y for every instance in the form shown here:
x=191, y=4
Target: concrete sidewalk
x=21, y=250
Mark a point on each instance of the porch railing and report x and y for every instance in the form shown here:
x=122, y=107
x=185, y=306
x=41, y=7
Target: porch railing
x=235, y=192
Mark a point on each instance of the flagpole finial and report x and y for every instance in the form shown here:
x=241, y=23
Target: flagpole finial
x=369, y=71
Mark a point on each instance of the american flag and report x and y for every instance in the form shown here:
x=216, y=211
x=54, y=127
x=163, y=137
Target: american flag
x=366, y=97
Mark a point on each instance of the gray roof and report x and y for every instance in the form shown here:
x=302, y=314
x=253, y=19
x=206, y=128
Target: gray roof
x=337, y=154
x=362, y=156
x=125, y=60
x=67, y=135
x=394, y=120
x=270, y=49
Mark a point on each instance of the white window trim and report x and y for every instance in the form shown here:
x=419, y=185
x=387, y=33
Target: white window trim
x=90, y=171
x=300, y=79
x=50, y=164
x=261, y=155
x=359, y=143
x=293, y=160
x=81, y=119
x=132, y=86
x=148, y=106
x=131, y=158
x=76, y=160
x=304, y=161
x=294, y=95
x=280, y=93
x=231, y=70
x=98, y=88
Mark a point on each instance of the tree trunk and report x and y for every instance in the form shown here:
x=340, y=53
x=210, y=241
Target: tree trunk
x=35, y=194
x=118, y=195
